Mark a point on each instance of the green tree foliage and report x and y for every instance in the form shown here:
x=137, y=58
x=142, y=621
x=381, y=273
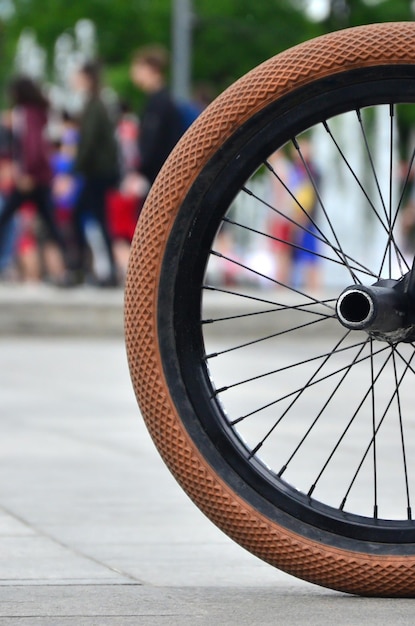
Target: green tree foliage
x=229, y=36
x=356, y=12
x=232, y=36
x=121, y=25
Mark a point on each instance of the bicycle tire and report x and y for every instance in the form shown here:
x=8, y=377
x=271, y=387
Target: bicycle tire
x=371, y=60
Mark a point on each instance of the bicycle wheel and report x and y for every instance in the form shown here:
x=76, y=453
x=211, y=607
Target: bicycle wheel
x=282, y=406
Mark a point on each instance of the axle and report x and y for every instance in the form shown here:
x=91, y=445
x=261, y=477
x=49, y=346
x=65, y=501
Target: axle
x=384, y=310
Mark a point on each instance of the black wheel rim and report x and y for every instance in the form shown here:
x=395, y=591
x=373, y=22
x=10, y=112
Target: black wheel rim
x=270, y=463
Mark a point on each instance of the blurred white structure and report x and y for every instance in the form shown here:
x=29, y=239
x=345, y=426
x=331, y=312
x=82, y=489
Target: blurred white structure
x=30, y=57
x=70, y=52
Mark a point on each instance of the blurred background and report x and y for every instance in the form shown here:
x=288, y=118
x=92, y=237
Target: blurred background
x=211, y=43
x=52, y=29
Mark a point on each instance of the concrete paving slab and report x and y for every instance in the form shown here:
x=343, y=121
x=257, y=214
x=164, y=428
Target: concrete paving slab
x=80, y=469
x=95, y=531
x=46, y=310
x=149, y=606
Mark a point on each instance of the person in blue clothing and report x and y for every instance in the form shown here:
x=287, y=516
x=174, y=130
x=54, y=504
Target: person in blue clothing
x=303, y=179
x=66, y=184
x=7, y=251
x=97, y=162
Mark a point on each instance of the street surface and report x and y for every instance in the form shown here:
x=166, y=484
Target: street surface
x=95, y=531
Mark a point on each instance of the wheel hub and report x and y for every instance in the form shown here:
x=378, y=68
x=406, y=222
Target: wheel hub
x=385, y=310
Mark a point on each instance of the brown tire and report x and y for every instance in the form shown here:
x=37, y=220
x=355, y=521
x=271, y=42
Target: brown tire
x=336, y=73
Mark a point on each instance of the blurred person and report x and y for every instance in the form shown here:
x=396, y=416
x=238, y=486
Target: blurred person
x=127, y=136
x=303, y=179
x=7, y=255
x=32, y=172
x=292, y=228
x=203, y=95
x=27, y=246
x=66, y=183
x=281, y=228
x=97, y=162
x=222, y=270
x=191, y=109
x=161, y=123
x=123, y=206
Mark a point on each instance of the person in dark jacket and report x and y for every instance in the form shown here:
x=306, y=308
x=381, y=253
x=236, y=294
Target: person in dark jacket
x=97, y=162
x=161, y=122
x=30, y=153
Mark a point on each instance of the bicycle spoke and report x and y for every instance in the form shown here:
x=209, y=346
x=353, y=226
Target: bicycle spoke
x=349, y=424
x=391, y=239
x=400, y=255
x=261, y=339
x=391, y=242
x=289, y=219
x=300, y=393
x=261, y=275
x=285, y=368
x=371, y=162
x=408, y=363
x=353, y=173
x=403, y=193
x=391, y=133
x=394, y=215
x=320, y=413
x=321, y=237
x=404, y=458
x=290, y=394
x=277, y=306
x=282, y=307
x=302, y=307
x=324, y=210
x=388, y=228
x=230, y=318
x=295, y=246
x=373, y=439
x=375, y=465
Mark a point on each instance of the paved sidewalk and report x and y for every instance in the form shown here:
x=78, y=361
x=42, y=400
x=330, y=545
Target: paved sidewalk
x=91, y=312
x=47, y=310
x=95, y=531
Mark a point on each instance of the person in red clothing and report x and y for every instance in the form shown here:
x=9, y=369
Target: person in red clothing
x=32, y=173
x=123, y=208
